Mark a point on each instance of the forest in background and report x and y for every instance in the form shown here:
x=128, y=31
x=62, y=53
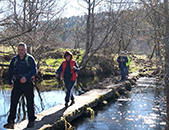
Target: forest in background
x=138, y=27
x=131, y=27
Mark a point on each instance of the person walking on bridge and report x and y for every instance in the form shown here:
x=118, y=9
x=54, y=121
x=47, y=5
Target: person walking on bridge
x=122, y=60
x=127, y=63
x=21, y=70
x=69, y=69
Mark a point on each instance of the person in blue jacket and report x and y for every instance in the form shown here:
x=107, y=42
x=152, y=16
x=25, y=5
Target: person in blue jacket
x=21, y=70
x=69, y=69
x=122, y=60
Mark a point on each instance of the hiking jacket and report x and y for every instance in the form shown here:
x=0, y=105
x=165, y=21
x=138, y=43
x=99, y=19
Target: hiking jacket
x=122, y=60
x=19, y=68
x=128, y=63
x=67, y=72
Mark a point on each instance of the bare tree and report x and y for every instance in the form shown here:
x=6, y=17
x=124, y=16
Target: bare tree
x=167, y=55
x=157, y=16
x=35, y=22
x=38, y=16
x=106, y=28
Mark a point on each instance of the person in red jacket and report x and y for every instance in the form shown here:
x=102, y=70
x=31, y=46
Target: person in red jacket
x=69, y=69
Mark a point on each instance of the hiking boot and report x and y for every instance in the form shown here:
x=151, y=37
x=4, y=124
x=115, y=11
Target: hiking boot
x=30, y=124
x=9, y=125
x=66, y=105
x=72, y=102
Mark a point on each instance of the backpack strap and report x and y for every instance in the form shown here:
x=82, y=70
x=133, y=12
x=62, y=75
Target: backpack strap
x=26, y=59
x=16, y=59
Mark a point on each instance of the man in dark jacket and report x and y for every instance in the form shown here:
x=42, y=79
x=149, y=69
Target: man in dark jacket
x=21, y=70
x=122, y=60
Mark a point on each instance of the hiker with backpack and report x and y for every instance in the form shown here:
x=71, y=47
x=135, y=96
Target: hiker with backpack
x=21, y=70
x=127, y=64
x=122, y=60
x=69, y=69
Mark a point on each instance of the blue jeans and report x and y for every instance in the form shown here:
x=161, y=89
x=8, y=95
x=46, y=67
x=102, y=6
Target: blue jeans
x=69, y=93
x=123, y=73
x=127, y=70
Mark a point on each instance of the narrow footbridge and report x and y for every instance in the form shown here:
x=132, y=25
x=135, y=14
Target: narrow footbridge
x=55, y=117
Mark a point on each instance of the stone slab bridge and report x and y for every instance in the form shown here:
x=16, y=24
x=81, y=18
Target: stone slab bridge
x=56, y=117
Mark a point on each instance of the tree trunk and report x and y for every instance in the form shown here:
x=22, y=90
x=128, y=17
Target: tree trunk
x=88, y=29
x=167, y=56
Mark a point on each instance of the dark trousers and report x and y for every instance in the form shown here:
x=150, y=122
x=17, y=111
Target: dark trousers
x=127, y=70
x=28, y=90
x=69, y=93
x=123, y=73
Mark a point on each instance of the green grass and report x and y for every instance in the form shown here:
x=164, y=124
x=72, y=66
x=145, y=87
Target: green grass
x=134, y=67
x=54, y=62
x=51, y=82
x=6, y=48
x=50, y=65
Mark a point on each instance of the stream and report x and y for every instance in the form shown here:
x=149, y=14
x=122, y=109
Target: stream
x=50, y=99
x=140, y=109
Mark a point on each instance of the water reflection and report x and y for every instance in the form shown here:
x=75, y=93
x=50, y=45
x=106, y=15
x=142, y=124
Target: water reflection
x=138, y=111
x=48, y=93
x=47, y=96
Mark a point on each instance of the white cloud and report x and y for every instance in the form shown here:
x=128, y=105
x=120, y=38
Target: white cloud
x=74, y=9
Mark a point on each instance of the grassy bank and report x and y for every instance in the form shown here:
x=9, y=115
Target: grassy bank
x=99, y=64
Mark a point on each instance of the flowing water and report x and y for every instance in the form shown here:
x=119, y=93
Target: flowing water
x=50, y=99
x=139, y=110
x=47, y=98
